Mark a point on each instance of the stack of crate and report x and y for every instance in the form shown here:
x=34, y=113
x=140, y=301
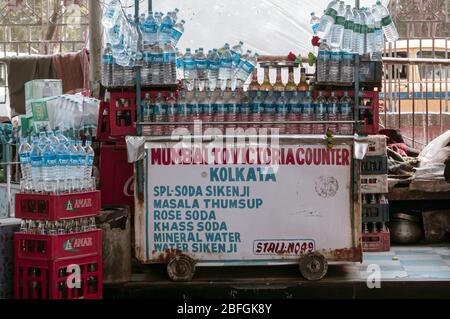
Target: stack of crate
x=374, y=187
x=58, y=250
x=8, y=226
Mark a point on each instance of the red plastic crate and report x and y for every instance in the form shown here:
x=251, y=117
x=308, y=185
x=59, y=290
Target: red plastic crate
x=376, y=242
x=116, y=176
x=57, y=207
x=40, y=279
x=57, y=247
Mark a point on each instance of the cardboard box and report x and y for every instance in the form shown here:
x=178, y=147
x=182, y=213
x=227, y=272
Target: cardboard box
x=38, y=89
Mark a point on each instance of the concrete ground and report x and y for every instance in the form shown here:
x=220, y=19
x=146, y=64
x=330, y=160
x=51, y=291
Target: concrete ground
x=406, y=272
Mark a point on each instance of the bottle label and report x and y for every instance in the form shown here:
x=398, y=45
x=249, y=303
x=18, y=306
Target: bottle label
x=247, y=67
x=63, y=160
x=207, y=109
x=74, y=161
x=150, y=28
x=357, y=28
x=169, y=57
x=386, y=21
x=349, y=25
x=189, y=64
x=157, y=58
x=25, y=158
x=226, y=63
x=340, y=20
x=332, y=13
x=370, y=30
x=221, y=109
x=183, y=109
x=335, y=56
x=346, y=109
x=214, y=65
x=363, y=29
x=166, y=28
x=81, y=160
x=320, y=108
x=107, y=59
x=347, y=56
x=49, y=161
x=256, y=108
x=36, y=161
x=194, y=109
x=202, y=64
x=324, y=55
x=176, y=34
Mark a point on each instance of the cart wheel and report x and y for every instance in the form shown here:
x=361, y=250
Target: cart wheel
x=313, y=266
x=181, y=268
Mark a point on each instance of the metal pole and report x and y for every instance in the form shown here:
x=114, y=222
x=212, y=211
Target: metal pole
x=95, y=44
x=138, y=102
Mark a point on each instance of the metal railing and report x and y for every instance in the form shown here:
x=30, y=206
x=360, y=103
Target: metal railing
x=415, y=94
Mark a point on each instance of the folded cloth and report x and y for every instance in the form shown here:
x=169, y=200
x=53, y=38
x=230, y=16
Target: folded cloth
x=22, y=69
x=404, y=150
x=72, y=69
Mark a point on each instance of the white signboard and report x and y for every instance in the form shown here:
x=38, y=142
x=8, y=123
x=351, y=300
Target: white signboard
x=246, y=203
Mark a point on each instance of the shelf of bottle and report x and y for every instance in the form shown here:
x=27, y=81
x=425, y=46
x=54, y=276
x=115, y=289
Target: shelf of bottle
x=153, y=87
x=250, y=123
x=348, y=84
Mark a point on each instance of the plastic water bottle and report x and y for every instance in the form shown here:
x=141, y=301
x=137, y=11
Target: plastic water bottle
x=337, y=31
x=356, y=40
x=213, y=69
x=314, y=23
x=256, y=109
x=169, y=61
x=281, y=112
x=150, y=29
x=165, y=29
x=244, y=110
x=49, y=166
x=389, y=29
x=334, y=66
x=179, y=64
x=202, y=68
x=174, y=14
x=190, y=70
x=246, y=68
x=81, y=163
x=232, y=110
x=111, y=14
x=182, y=111
x=378, y=37
x=158, y=18
x=90, y=154
x=195, y=109
x=320, y=111
x=236, y=53
x=347, y=67
x=73, y=160
x=53, y=139
x=363, y=34
x=220, y=111
x=36, y=164
x=159, y=115
x=370, y=37
x=333, y=113
x=171, y=113
x=323, y=62
x=61, y=137
x=225, y=70
x=327, y=20
x=293, y=109
x=62, y=162
x=107, y=65
x=347, y=42
x=157, y=68
x=307, y=113
x=177, y=32
x=269, y=110
x=346, y=114
x=147, y=111
x=25, y=159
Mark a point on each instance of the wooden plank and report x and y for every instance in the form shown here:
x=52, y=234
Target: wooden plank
x=405, y=194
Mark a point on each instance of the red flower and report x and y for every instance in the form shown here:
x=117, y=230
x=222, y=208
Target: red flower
x=291, y=57
x=315, y=41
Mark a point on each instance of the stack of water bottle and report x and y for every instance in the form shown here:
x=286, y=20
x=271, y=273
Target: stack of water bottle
x=345, y=32
x=274, y=108
x=54, y=164
x=46, y=227
x=148, y=42
x=224, y=68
